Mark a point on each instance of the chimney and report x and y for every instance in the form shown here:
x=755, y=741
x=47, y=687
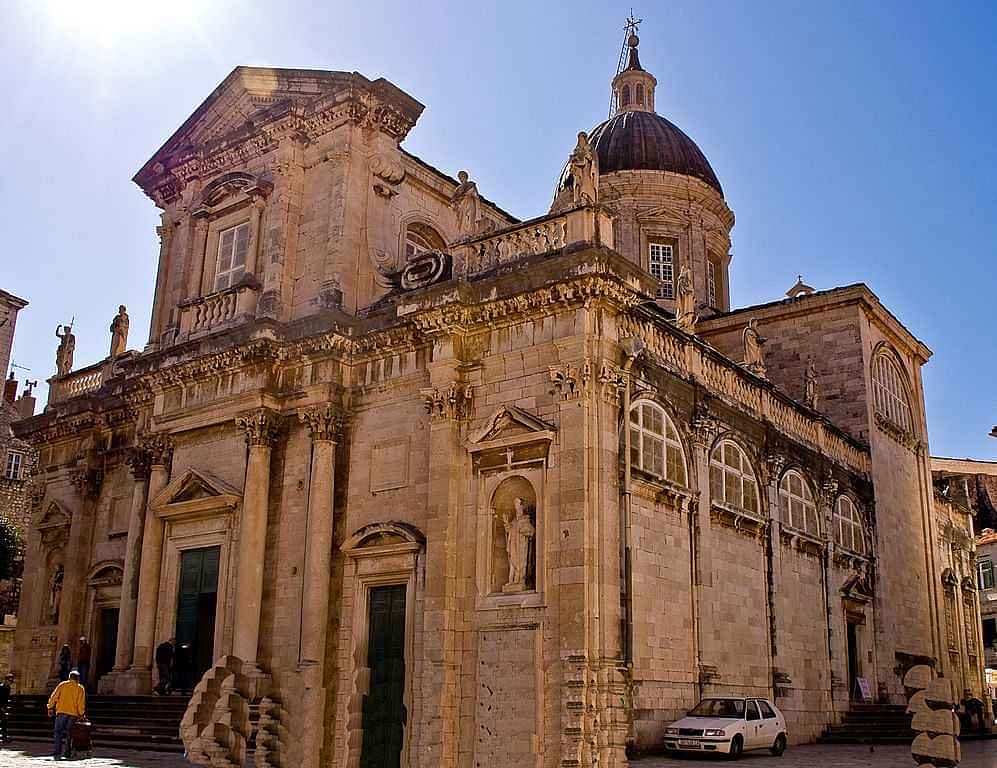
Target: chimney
x=26, y=402
x=10, y=389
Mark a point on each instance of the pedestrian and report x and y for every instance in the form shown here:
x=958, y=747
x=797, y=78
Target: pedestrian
x=83, y=661
x=68, y=703
x=5, y=686
x=65, y=663
x=164, y=666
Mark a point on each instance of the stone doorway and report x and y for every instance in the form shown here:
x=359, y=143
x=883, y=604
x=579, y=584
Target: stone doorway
x=197, y=602
x=107, y=642
x=384, y=712
x=854, y=661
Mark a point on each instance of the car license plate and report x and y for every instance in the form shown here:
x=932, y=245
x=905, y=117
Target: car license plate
x=686, y=744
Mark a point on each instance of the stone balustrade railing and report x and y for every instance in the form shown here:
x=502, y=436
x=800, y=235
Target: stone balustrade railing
x=217, y=310
x=76, y=383
x=546, y=234
x=689, y=358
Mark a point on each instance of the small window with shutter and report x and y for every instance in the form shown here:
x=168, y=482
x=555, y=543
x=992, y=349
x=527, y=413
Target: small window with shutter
x=233, y=246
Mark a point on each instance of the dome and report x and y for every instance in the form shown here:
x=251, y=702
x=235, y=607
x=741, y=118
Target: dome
x=645, y=141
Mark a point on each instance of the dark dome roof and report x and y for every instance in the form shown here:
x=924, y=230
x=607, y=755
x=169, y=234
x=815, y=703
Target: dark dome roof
x=645, y=141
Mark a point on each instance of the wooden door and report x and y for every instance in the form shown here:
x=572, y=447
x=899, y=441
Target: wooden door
x=195, y=626
x=384, y=712
x=107, y=642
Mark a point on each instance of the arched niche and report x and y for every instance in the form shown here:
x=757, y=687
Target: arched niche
x=513, y=553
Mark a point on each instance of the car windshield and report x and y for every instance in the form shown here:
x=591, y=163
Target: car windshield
x=733, y=708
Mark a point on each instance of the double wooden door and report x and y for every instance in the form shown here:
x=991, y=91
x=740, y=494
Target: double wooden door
x=196, y=605
x=384, y=714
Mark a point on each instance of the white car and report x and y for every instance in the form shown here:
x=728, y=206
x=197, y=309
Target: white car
x=729, y=725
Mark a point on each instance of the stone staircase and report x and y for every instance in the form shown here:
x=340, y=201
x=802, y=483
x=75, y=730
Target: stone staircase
x=871, y=724
x=149, y=723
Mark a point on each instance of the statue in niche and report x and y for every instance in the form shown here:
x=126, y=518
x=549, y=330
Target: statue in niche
x=584, y=172
x=67, y=346
x=753, y=341
x=55, y=594
x=519, y=534
x=685, y=311
x=811, y=387
x=467, y=204
x=119, y=332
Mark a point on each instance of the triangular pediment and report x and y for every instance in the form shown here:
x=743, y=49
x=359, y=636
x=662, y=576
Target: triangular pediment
x=857, y=588
x=509, y=423
x=252, y=99
x=195, y=490
x=54, y=516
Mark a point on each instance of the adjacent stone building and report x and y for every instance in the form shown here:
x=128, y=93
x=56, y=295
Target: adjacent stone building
x=434, y=486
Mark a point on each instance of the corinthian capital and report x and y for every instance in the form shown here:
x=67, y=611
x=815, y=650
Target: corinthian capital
x=140, y=463
x=323, y=422
x=451, y=402
x=158, y=447
x=262, y=426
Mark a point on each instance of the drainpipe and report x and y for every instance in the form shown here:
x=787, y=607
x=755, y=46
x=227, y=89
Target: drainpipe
x=632, y=348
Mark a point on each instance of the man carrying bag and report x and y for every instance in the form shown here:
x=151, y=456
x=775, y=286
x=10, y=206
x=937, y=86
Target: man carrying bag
x=68, y=703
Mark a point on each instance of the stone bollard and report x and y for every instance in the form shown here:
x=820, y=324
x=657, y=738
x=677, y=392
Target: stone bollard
x=934, y=719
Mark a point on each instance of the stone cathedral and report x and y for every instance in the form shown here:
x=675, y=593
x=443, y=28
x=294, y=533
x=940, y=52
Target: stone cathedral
x=419, y=484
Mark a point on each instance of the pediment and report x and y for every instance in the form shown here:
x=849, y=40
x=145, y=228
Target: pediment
x=54, y=516
x=251, y=102
x=195, y=491
x=513, y=425
x=857, y=588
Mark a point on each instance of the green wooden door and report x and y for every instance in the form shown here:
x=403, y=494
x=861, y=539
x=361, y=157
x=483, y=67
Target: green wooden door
x=384, y=713
x=195, y=627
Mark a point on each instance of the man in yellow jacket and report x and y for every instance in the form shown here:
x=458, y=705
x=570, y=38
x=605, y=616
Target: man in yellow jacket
x=68, y=702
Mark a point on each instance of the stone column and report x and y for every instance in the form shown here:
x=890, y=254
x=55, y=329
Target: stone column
x=322, y=423
x=256, y=234
x=197, y=256
x=139, y=677
x=165, y=232
x=262, y=428
x=140, y=462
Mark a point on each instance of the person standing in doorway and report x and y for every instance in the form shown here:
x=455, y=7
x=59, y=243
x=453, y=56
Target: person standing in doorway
x=65, y=662
x=83, y=661
x=5, y=686
x=164, y=666
x=68, y=704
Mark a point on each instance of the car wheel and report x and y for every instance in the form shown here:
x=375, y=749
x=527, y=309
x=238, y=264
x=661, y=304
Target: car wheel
x=780, y=745
x=736, y=748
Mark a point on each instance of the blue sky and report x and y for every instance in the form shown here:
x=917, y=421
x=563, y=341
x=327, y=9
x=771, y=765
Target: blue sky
x=854, y=141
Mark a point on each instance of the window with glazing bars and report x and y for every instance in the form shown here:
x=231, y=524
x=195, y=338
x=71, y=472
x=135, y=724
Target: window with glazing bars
x=662, y=268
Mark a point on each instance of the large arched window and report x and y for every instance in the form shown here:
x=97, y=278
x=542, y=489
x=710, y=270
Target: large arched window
x=797, y=503
x=421, y=238
x=732, y=481
x=640, y=94
x=626, y=96
x=654, y=443
x=889, y=390
x=848, y=532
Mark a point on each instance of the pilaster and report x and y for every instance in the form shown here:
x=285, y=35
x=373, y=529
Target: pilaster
x=262, y=428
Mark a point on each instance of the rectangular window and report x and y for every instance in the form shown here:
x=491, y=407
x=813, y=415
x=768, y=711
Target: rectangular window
x=711, y=284
x=14, y=462
x=233, y=246
x=661, y=267
x=989, y=633
x=986, y=570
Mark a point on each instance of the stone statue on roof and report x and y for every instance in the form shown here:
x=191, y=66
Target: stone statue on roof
x=67, y=346
x=119, y=332
x=467, y=205
x=685, y=309
x=753, y=341
x=584, y=165
x=811, y=387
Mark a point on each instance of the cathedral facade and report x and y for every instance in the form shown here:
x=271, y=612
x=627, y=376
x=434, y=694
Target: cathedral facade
x=435, y=486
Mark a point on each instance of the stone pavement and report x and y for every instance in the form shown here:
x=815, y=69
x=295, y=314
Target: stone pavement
x=23, y=754
x=975, y=754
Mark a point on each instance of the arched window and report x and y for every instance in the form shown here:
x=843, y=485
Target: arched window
x=889, y=390
x=654, y=443
x=732, y=480
x=421, y=238
x=848, y=531
x=625, y=96
x=797, y=503
x=640, y=94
